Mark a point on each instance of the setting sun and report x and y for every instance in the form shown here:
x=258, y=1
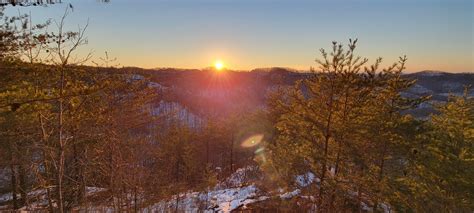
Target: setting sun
x=219, y=65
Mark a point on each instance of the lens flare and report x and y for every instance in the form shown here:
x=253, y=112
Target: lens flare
x=252, y=141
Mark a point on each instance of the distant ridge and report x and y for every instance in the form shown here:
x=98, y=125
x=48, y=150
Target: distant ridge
x=430, y=73
x=438, y=72
x=273, y=69
x=426, y=73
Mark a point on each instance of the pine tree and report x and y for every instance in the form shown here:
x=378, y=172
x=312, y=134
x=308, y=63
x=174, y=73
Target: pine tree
x=340, y=124
x=446, y=158
x=89, y=101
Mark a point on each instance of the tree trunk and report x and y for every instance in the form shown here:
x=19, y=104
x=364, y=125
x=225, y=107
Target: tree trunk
x=23, y=185
x=232, y=152
x=340, y=143
x=327, y=137
x=61, y=145
x=14, y=182
x=46, y=182
x=177, y=184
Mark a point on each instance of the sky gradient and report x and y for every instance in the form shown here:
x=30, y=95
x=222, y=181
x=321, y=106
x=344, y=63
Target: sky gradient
x=246, y=34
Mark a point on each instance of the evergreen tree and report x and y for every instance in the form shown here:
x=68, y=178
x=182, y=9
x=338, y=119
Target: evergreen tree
x=341, y=124
x=445, y=159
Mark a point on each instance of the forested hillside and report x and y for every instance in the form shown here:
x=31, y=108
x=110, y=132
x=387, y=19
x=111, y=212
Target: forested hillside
x=205, y=91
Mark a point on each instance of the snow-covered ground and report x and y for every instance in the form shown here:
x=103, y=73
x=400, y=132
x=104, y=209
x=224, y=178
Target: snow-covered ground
x=224, y=200
x=236, y=192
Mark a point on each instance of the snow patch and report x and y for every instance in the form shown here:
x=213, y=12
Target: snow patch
x=289, y=195
x=224, y=200
x=305, y=179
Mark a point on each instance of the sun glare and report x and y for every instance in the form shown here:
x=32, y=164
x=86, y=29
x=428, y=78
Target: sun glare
x=219, y=65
